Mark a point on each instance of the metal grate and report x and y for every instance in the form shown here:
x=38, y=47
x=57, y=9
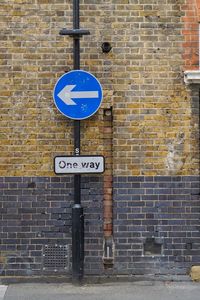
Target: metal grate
x=56, y=257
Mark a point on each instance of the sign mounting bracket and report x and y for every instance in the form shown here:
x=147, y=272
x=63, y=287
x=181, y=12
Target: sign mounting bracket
x=75, y=33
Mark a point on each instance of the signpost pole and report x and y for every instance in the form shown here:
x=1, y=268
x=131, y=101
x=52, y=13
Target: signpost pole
x=70, y=108
x=77, y=210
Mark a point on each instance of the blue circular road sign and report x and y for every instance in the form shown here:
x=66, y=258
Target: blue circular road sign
x=78, y=94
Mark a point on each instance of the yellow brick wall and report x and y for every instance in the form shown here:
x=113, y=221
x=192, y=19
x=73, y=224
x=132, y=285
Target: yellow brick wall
x=154, y=129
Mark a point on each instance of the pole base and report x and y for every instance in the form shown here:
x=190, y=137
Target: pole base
x=77, y=244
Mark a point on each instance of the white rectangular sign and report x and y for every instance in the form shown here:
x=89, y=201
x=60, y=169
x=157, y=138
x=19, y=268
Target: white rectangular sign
x=78, y=164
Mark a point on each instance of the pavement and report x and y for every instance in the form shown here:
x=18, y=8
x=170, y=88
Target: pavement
x=110, y=291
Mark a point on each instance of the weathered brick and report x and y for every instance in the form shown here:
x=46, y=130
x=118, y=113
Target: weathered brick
x=147, y=127
x=161, y=219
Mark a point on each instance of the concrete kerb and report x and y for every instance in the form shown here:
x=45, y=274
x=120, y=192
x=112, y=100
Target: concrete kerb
x=95, y=279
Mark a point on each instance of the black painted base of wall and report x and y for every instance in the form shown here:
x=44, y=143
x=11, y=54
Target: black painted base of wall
x=36, y=225
x=156, y=225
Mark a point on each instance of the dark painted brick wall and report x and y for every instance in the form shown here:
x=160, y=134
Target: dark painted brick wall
x=36, y=211
x=156, y=223
x=164, y=211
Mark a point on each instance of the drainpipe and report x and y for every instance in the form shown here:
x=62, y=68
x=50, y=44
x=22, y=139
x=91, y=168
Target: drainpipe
x=108, y=246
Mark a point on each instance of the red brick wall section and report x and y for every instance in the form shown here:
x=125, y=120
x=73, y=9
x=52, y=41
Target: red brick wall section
x=108, y=180
x=198, y=9
x=191, y=20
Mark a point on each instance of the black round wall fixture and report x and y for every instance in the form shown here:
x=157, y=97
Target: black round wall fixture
x=106, y=47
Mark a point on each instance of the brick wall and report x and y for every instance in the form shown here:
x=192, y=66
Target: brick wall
x=152, y=137
x=144, y=65
x=191, y=34
x=156, y=224
x=36, y=213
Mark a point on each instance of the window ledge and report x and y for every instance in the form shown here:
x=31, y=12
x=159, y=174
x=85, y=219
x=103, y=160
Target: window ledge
x=192, y=77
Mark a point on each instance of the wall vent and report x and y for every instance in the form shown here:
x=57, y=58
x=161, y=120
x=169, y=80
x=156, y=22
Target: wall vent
x=56, y=258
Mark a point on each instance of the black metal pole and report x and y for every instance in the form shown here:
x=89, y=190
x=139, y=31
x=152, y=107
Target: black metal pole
x=77, y=210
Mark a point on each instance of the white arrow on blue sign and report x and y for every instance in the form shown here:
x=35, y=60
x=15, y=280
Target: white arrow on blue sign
x=78, y=94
